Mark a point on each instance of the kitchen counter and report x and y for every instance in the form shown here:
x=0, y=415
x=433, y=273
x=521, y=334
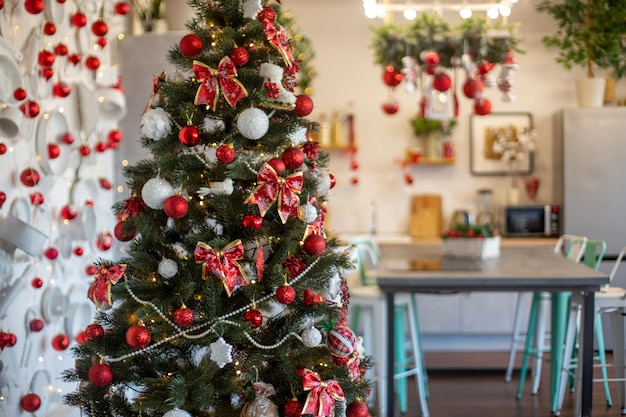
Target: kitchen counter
x=400, y=239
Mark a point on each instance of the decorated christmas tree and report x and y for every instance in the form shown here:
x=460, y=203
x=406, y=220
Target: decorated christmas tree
x=230, y=300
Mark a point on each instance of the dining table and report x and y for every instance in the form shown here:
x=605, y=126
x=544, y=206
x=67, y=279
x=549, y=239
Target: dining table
x=409, y=267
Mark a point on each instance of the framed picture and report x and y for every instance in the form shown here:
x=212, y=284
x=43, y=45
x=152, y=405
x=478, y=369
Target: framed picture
x=498, y=140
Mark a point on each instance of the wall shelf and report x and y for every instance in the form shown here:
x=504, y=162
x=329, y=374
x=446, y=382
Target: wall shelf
x=432, y=161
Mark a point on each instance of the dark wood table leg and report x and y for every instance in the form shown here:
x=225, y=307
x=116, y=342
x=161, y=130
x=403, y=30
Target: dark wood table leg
x=390, y=359
x=587, y=353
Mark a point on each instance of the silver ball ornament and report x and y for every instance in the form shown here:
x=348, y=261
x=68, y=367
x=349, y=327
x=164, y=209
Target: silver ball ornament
x=307, y=213
x=311, y=337
x=322, y=180
x=253, y=123
x=155, y=191
x=167, y=268
x=177, y=412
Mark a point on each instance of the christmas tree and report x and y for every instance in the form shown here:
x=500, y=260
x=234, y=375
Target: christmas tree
x=230, y=301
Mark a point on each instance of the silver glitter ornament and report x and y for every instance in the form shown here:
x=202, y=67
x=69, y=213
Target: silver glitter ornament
x=311, y=337
x=155, y=192
x=307, y=213
x=253, y=123
x=167, y=268
x=322, y=180
x=177, y=412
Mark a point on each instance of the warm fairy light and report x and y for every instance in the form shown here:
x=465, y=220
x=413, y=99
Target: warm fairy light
x=60, y=357
x=40, y=359
x=238, y=372
x=120, y=189
x=125, y=163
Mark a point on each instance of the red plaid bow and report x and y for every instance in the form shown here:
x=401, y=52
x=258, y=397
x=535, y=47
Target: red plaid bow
x=100, y=289
x=271, y=187
x=322, y=394
x=212, y=79
x=278, y=39
x=222, y=264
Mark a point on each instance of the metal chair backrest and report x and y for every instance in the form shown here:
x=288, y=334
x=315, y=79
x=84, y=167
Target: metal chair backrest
x=618, y=261
x=594, y=252
x=572, y=246
x=368, y=255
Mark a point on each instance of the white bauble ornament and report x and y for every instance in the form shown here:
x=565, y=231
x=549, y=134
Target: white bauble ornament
x=251, y=8
x=299, y=136
x=156, y=124
x=167, y=268
x=155, y=191
x=253, y=123
x=311, y=337
x=307, y=213
x=322, y=180
x=177, y=412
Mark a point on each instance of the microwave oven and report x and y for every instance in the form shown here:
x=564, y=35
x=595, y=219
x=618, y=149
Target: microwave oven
x=532, y=221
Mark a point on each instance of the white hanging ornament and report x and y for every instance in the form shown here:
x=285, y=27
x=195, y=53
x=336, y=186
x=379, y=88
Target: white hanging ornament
x=213, y=124
x=274, y=74
x=298, y=137
x=156, y=124
x=225, y=187
x=221, y=352
x=311, y=337
x=307, y=213
x=253, y=123
x=155, y=191
x=251, y=8
x=167, y=268
x=321, y=179
x=177, y=412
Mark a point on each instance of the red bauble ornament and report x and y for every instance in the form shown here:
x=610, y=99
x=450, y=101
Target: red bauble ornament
x=3, y=198
x=67, y=138
x=293, y=158
x=225, y=154
x=92, y=62
x=19, y=94
x=340, y=360
x=78, y=251
x=357, y=409
x=35, y=325
x=189, y=136
x=30, y=177
x=122, y=8
x=100, y=147
x=105, y=183
x=3, y=148
x=90, y=270
x=100, y=374
x=68, y=212
x=268, y=14
x=138, y=336
x=183, y=317
x=176, y=207
x=99, y=28
x=74, y=58
x=36, y=283
x=254, y=317
x=191, y=45
x=34, y=7
x=333, y=180
x=94, y=331
x=252, y=221
x=341, y=341
x=37, y=199
x=277, y=164
x=46, y=58
x=61, y=89
x=104, y=241
x=239, y=56
x=47, y=73
x=102, y=42
x=49, y=29
x=442, y=82
x=392, y=76
x=473, y=88
x=84, y=150
x=30, y=402
x=81, y=338
x=431, y=58
x=293, y=408
x=60, y=342
x=115, y=136
x=304, y=105
x=122, y=233
x=314, y=244
x=79, y=19
x=51, y=253
x=30, y=109
x=482, y=106
x=60, y=49
x=285, y=294
x=391, y=107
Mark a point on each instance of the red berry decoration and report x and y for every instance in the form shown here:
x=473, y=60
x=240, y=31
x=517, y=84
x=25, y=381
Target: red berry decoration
x=268, y=14
x=225, y=154
x=122, y=8
x=293, y=158
x=391, y=107
x=30, y=109
x=79, y=19
x=99, y=28
x=482, y=106
x=100, y=374
x=67, y=138
x=442, y=82
x=392, y=76
x=92, y=62
x=19, y=94
x=138, y=336
x=176, y=207
x=251, y=221
x=84, y=150
x=51, y=253
x=30, y=177
x=254, y=317
x=278, y=165
x=304, y=105
x=36, y=283
x=341, y=341
x=60, y=49
x=189, y=136
x=293, y=408
x=60, y=342
x=183, y=317
x=49, y=29
x=191, y=45
x=34, y=7
x=35, y=325
x=61, y=89
x=357, y=409
x=285, y=294
x=240, y=56
x=314, y=244
x=473, y=88
x=30, y=402
x=46, y=58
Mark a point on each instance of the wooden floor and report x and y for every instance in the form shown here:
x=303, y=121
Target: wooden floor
x=472, y=384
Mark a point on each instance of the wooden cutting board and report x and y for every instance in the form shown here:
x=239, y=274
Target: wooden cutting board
x=426, y=217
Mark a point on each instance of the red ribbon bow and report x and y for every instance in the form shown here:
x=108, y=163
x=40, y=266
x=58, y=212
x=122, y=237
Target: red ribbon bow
x=212, y=79
x=322, y=394
x=277, y=36
x=271, y=187
x=354, y=367
x=222, y=264
x=100, y=289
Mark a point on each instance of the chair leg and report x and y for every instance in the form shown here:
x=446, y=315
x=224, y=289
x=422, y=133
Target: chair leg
x=617, y=328
x=530, y=334
x=418, y=341
x=420, y=370
x=400, y=355
x=570, y=339
x=540, y=336
x=602, y=358
x=516, y=336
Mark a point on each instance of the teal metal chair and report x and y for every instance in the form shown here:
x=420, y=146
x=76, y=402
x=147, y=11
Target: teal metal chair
x=367, y=314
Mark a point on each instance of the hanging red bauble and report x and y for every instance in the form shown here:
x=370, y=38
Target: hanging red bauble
x=442, y=82
x=3, y=148
x=293, y=408
x=30, y=109
x=239, y=56
x=68, y=212
x=225, y=154
x=60, y=49
x=102, y=42
x=104, y=241
x=30, y=402
x=105, y=184
x=90, y=270
x=84, y=150
x=333, y=180
x=61, y=89
x=138, y=336
x=391, y=107
x=183, y=317
x=304, y=105
x=100, y=147
x=431, y=58
x=190, y=45
x=94, y=331
x=293, y=158
x=99, y=28
x=74, y=58
x=357, y=409
x=81, y=338
x=252, y=221
x=115, y=136
x=473, y=88
x=122, y=8
x=35, y=325
x=392, y=76
x=34, y=6
x=36, y=283
x=49, y=29
x=60, y=342
x=54, y=151
x=100, y=374
x=3, y=198
x=67, y=138
x=79, y=251
x=46, y=58
x=430, y=69
x=285, y=294
x=51, y=253
x=47, y=73
x=268, y=14
x=482, y=106
x=189, y=135
x=408, y=179
x=354, y=180
x=254, y=317
x=123, y=233
x=30, y=177
x=340, y=360
x=314, y=244
x=79, y=19
x=92, y=62
x=176, y=207
x=19, y=94
x=277, y=164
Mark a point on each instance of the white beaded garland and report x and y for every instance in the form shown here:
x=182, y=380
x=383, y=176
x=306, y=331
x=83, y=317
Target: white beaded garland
x=311, y=337
x=176, y=412
x=307, y=213
x=167, y=268
x=253, y=123
x=155, y=191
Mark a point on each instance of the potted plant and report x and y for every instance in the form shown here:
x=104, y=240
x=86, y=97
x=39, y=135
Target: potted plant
x=589, y=34
x=429, y=131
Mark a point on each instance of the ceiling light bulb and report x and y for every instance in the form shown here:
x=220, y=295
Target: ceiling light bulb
x=410, y=14
x=465, y=13
x=492, y=13
x=371, y=12
x=505, y=11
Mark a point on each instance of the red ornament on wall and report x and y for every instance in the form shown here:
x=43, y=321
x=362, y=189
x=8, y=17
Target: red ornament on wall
x=61, y=89
x=60, y=342
x=37, y=199
x=34, y=6
x=3, y=198
x=45, y=58
x=30, y=177
x=92, y=62
x=391, y=107
x=99, y=28
x=84, y=150
x=30, y=109
x=473, y=88
x=79, y=19
x=60, y=49
x=51, y=253
x=482, y=106
x=67, y=138
x=122, y=8
x=49, y=29
x=36, y=325
x=19, y=94
x=442, y=82
x=30, y=402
